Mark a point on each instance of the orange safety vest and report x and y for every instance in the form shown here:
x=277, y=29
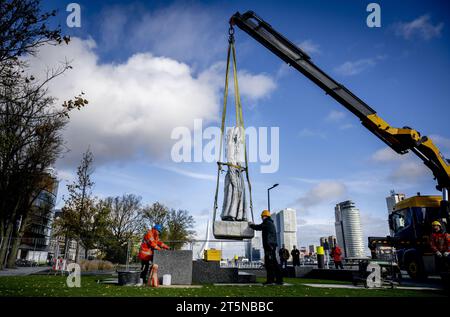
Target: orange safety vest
x=150, y=242
x=440, y=241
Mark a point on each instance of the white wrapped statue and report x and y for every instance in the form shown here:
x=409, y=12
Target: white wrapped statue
x=234, y=203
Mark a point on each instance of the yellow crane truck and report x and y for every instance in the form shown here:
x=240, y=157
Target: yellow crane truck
x=412, y=217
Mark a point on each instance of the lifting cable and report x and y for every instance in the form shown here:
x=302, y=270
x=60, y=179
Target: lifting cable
x=239, y=123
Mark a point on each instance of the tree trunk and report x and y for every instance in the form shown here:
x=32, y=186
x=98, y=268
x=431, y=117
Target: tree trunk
x=86, y=254
x=2, y=233
x=5, y=245
x=77, y=251
x=11, y=263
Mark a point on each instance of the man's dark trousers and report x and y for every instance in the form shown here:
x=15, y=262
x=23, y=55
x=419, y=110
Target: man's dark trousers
x=145, y=266
x=272, y=267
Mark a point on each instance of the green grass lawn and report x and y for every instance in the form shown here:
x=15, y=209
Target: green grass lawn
x=48, y=286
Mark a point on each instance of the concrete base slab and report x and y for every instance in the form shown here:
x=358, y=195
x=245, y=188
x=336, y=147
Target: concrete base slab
x=211, y=272
x=249, y=284
x=235, y=230
x=334, y=286
x=302, y=271
x=237, y=284
x=359, y=287
x=244, y=277
x=419, y=288
x=180, y=286
x=113, y=281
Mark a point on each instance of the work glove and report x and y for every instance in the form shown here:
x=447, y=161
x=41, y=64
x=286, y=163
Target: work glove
x=446, y=254
x=439, y=254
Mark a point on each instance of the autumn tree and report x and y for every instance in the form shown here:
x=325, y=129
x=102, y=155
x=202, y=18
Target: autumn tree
x=179, y=228
x=79, y=207
x=31, y=123
x=124, y=225
x=177, y=224
x=155, y=214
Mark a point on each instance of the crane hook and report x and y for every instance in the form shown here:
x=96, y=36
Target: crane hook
x=231, y=34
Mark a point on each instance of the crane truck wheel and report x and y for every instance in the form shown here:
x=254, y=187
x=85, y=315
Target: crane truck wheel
x=415, y=268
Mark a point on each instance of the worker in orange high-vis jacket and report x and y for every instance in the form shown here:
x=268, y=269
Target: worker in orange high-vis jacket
x=440, y=245
x=149, y=244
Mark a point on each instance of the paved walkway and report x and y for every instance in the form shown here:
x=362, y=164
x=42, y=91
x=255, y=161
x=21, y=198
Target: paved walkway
x=23, y=271
x=415, y=288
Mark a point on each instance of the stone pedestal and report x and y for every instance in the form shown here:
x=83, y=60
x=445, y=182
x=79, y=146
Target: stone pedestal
x=235, y=230
x=177, y=263
x=302, y=271
x=210, y=272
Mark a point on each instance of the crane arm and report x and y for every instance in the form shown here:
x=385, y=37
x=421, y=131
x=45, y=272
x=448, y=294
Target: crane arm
x=400, y=140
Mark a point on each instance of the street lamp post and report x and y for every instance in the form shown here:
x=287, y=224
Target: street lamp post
x=268, y=195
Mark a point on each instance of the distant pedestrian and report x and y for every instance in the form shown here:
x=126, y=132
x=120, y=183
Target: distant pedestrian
x=295, y=256
x=326, y=248
x=336, y=253
x=284, y=256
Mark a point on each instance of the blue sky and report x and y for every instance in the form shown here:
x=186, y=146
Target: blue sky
x=326, y=156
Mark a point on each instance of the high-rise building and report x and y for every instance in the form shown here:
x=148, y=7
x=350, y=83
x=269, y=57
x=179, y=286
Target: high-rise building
x=286, y=226
x=391, y=201
x=253, y=248
x=348, y=229
x=35, y=242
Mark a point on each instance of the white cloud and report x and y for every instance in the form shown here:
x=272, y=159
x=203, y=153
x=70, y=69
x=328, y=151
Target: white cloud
x=358, y=182
x=335, y=116
x=306, y=133
x=255, y=86
x=374, y=226
x=134, y=105
x=387, y=154
x=346, y=126
x=441, y=140
x=324, y=192
x=404, y=168
x=420, y=27
x=252, y=87
x=443, y=143
x=183, y=31
x=195, y=175
x=409, y=171
x=351, y=68
x=310, y=234
x=64, y=175
x=310, y=47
